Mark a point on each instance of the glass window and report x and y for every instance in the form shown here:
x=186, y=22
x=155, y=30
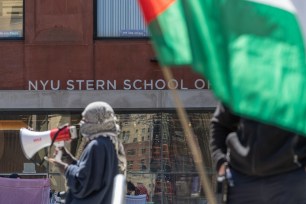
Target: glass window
x=10, y=144
x=162, y=163
x=120, y=19
x=11, y=19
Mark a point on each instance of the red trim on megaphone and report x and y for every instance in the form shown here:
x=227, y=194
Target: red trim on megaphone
x=63, y=135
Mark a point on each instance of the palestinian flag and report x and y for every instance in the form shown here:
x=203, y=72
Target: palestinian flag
x=251, y=51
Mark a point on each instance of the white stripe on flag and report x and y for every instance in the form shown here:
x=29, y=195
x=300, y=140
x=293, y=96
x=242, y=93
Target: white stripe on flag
x=300, y=6
x=282, y=4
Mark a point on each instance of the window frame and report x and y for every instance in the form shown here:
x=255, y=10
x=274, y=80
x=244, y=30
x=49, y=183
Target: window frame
x=95, y=28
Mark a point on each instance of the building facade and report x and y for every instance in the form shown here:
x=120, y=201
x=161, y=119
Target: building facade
x=57, y=56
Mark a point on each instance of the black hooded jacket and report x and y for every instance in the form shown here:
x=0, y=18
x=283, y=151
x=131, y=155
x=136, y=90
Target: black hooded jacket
x=254, y=148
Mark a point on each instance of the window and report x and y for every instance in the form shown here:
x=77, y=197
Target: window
x=143, y=151
x=12, y=156
x=120, y=19
x=163, y=164
x=131, y=152
x=11, y=19
x=130, y=164
x=125, y=136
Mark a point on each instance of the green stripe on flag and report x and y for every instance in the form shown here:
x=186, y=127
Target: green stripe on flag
x=170, y=37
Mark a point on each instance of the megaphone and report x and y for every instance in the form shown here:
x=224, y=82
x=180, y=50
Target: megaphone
x=32, y=141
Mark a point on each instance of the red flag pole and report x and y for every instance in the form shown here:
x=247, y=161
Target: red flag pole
x=190, y=138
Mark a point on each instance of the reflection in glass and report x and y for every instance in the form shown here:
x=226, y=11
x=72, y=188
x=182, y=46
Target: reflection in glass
x=157, y=154
x=159, y=158
x=12, y=158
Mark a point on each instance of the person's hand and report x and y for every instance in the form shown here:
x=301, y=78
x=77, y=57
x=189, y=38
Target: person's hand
x=222, y=169
x=62, y=166
x=66, y=156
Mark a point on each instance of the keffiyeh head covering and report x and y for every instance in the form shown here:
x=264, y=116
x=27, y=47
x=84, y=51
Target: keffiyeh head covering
x=99, y=120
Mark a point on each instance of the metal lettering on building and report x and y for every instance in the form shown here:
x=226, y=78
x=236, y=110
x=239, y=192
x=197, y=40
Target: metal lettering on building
x=127, y=84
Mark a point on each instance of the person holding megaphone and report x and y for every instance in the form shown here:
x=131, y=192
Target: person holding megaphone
x=90, y=179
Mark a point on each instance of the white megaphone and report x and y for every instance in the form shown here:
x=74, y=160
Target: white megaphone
x=32, y=141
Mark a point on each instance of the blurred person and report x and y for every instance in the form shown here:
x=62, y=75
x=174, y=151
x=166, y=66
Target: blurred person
x=140, y=189
x=90, y=179
x=262, y=164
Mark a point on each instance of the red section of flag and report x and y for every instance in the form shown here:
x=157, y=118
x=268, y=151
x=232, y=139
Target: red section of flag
x=152, y=8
